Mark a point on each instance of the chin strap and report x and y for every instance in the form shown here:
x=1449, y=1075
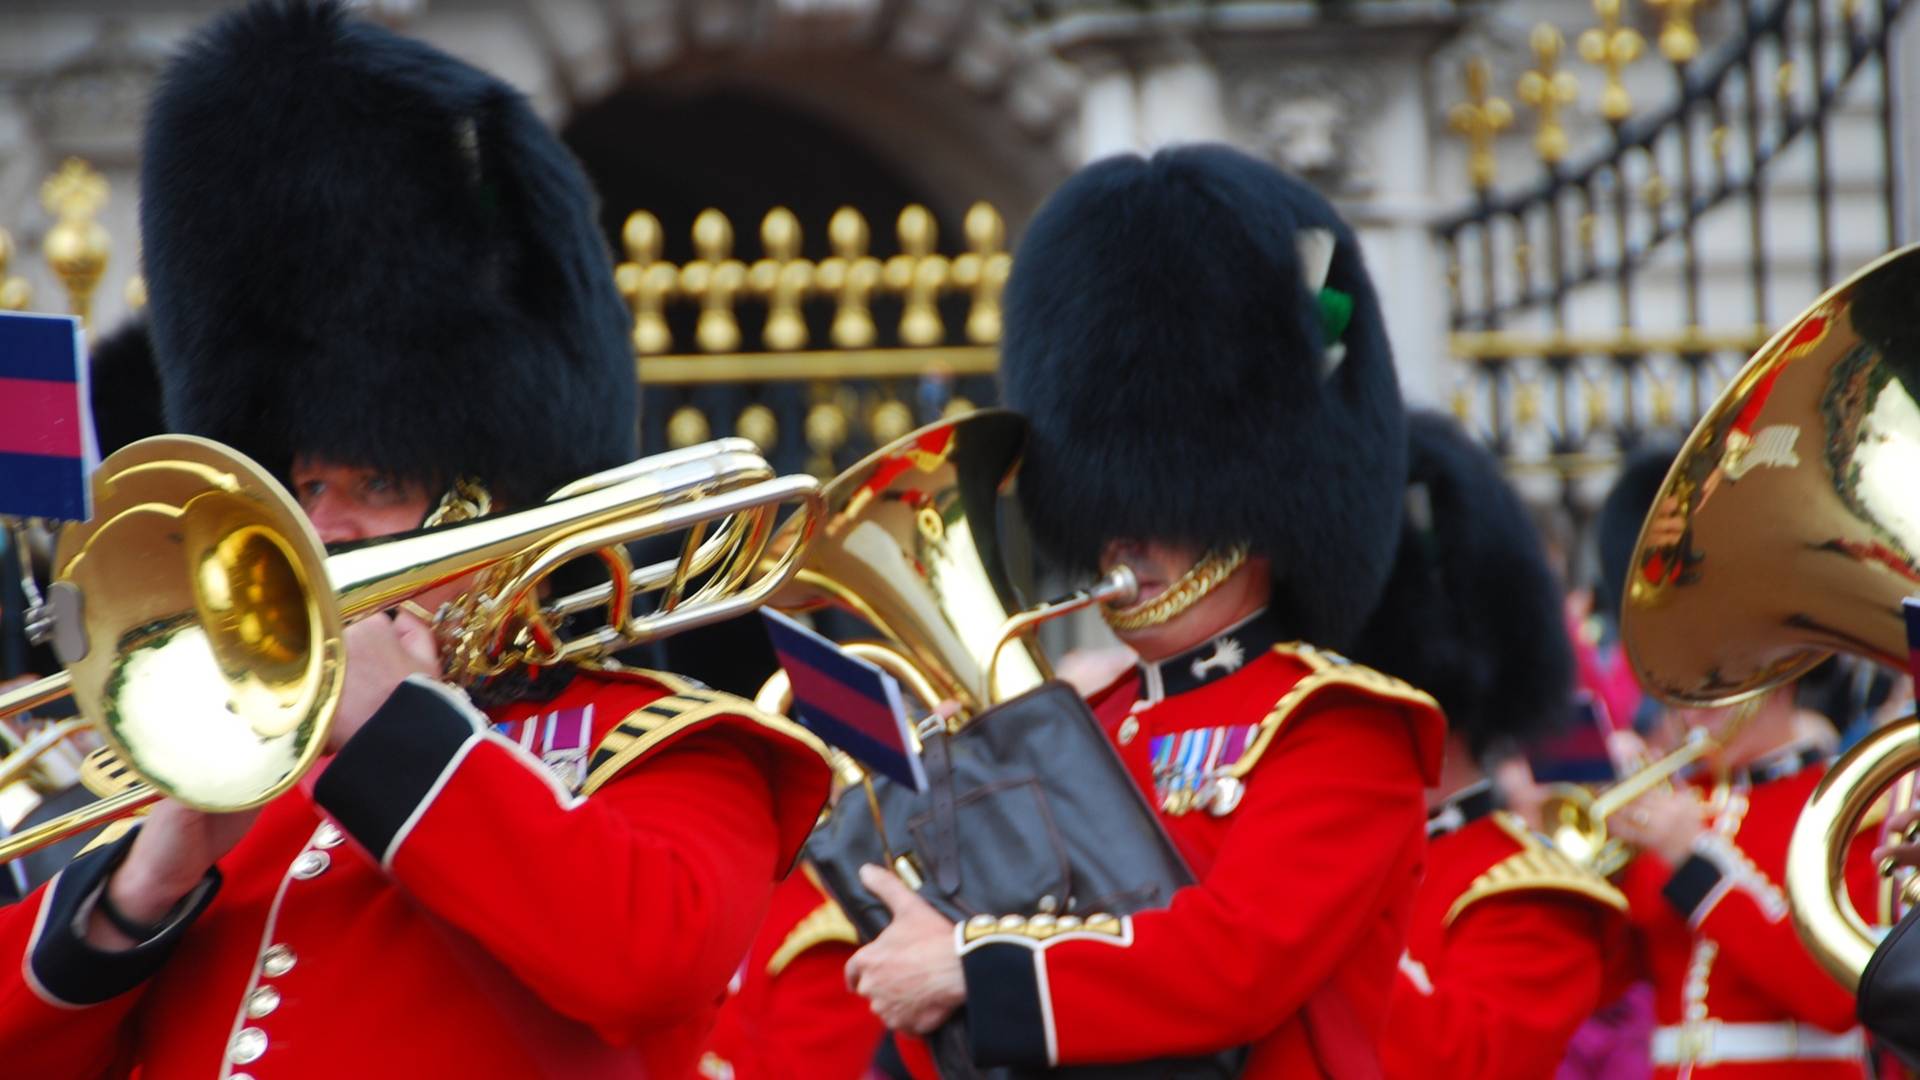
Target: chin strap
x=466, y=499
x=1205, y=576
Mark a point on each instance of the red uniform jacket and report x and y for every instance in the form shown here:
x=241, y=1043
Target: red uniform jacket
x=790, y=1015
x=1505, y=955
x=1716, y=940
x=442, y=902
x=1294, y=784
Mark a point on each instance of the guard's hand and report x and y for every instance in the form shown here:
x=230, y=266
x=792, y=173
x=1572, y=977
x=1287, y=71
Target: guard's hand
x=911, y=973
x=1899, y=848
x=173, y=851
x=1663, y=821
x=382, y=651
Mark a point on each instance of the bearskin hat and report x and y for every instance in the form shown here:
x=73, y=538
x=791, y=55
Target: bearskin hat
x=360, y=248
x=1471, y=613
x=1200, y=351
x=124, y=388
x=1625, y=510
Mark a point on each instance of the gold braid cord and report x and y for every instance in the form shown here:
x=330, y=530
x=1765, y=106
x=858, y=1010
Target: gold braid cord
x=1325, y=670
x=1536, y=867
x=1205, y=576
x=826, y=925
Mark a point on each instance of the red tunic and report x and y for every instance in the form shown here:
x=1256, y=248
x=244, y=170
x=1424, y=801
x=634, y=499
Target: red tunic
x=790, y=1014
x=1719, y=947
x=1505, y=957
x=1308, y=847
x=441, y=903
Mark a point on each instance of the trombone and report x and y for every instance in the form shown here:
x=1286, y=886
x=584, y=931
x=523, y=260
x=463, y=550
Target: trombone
x=200, y=620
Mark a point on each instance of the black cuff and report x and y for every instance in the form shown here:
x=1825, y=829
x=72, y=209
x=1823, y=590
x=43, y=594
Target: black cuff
x=1690, y=885
x=73, y=972
x=1005, y=1015
x=380, y=780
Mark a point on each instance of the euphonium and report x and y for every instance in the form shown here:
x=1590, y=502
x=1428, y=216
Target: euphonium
x=200, y=620
x=909, y=542
x=1786, y=530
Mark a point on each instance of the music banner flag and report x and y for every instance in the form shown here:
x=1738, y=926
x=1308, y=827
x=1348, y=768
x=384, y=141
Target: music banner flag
x=846, y=701
x=47, y=448
x=1577, y=754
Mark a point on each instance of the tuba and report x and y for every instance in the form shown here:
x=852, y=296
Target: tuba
x=1787, y=530
x=200, y=621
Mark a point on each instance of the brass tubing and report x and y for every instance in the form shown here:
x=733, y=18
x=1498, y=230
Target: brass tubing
x=22, y=760
x=35, y=694
x=1816, y=881
x=1611, y=801
x=52, y=832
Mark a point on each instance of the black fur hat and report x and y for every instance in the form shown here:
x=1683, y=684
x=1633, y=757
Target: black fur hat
x=1165, y=339
x=124, y=388
x=1617, y=529
x=360, y=248
x=1472, y=613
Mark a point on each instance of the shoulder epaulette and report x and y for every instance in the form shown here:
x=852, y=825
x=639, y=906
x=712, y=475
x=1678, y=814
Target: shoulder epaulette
x=1324, y=670
x=823, y=925
x=662, y=719
x=1537, y=866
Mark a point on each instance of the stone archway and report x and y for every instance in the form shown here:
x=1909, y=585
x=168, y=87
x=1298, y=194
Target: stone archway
x=944, y=94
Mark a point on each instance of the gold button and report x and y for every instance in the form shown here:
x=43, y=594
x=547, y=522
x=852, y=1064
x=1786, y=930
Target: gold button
x=311, y=864
x=1129, y=730
x=262, y=1001
x=329, y=836
x=247, y=1046
x=277, y=960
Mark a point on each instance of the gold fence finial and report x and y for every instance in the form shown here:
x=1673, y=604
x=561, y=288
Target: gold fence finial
x=850, y=276
x=918, y=273
x=1679, y=42
x=983, y=271
x=783, y=277
x=1611, y=47
x=1547, y=89
x=77, y=245
x=646, y=282
x=714, y=278
x=15, y=292
x=1479, y=119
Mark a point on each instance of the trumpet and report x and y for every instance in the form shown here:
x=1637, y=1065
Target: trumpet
x=200, y=620
x=1576, y=819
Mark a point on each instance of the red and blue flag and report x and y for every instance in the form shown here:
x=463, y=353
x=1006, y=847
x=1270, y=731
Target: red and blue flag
x=1578, y=754
x=47, y=447
x=846, y=701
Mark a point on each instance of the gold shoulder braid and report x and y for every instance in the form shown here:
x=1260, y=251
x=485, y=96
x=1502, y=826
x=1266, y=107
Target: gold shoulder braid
x=1536, y=866
x=657, y=721
x=1328, y=669
x=1231, y=752
x=824, y=925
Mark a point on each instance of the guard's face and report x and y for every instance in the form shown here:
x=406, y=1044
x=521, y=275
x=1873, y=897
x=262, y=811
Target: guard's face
x=347, y=503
